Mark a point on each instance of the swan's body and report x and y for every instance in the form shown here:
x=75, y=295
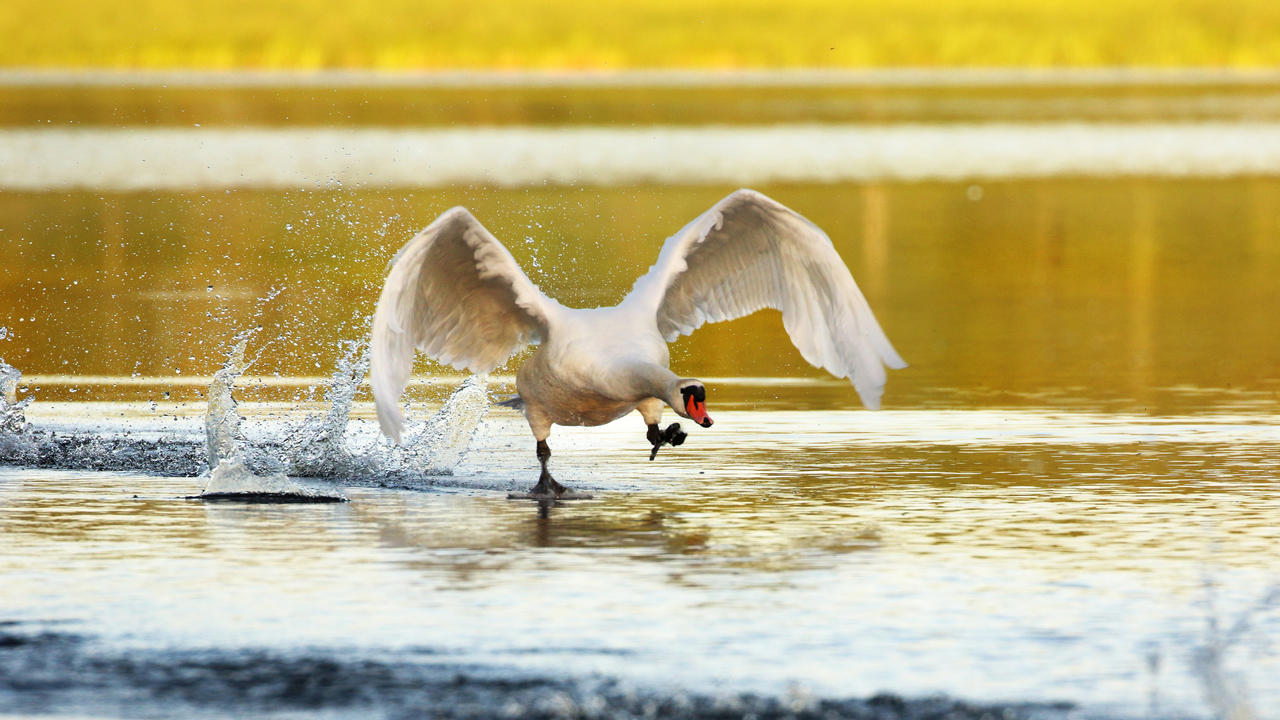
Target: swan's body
x=592, y=371
x=455, y=293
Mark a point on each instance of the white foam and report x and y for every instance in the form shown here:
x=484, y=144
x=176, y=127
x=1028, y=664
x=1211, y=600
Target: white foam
x=199, y=158
x=232, y=477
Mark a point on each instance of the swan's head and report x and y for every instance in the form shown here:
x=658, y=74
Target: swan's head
x=689, y=399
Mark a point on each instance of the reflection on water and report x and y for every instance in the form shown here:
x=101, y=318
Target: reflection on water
x=1103, y=293
x=45, y=98
x=988, y=555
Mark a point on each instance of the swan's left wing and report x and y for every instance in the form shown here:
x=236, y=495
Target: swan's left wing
x=455, y=293
x=749, y=252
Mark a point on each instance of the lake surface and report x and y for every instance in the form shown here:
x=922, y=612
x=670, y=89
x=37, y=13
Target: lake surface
x=1070, y=496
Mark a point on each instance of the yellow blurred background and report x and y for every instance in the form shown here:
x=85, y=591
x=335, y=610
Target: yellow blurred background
x=590, y=34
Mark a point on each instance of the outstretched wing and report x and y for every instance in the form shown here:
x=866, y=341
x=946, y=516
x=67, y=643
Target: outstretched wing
x=455, y=293
x=749, y=252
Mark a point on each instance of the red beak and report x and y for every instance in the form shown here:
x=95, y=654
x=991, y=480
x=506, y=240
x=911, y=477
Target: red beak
x=698, y=411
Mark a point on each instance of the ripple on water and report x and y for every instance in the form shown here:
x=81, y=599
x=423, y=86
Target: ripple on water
x=991, y=555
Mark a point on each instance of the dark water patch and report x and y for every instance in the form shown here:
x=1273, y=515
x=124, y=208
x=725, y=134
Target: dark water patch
x=264, y=497
x=175, y=455
x=51, y=672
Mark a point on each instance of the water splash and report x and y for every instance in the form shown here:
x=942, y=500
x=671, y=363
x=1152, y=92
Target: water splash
x=318, y=448
x=230, y=476
x=324, y=446
x=443, y=442
x=222, y=419
x=15, y=440
x=329, y=445
x=232, y=480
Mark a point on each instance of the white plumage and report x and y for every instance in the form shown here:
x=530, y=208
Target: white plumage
x=456, y=294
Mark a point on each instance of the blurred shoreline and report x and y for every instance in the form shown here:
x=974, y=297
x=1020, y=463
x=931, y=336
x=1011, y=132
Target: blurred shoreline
x=905, y=77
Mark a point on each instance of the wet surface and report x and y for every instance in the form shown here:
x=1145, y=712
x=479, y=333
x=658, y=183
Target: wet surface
x=1005, y=557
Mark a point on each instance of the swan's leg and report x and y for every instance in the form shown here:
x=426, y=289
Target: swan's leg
x=547, y=489
x=651, y=410
x=547, y=485
x=540, y=424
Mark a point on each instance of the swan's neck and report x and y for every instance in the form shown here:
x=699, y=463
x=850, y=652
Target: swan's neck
x=653, y=380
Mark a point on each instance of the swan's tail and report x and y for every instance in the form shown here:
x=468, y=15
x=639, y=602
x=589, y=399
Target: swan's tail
x=514, y=402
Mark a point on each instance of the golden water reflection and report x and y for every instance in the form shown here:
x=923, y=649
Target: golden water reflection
x=1101, y=293
x=474, y=103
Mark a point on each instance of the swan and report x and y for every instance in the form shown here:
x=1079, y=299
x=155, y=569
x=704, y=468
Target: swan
x=455, y=293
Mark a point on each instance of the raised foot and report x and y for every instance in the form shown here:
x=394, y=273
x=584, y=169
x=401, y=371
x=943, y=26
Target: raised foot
x=673, y=436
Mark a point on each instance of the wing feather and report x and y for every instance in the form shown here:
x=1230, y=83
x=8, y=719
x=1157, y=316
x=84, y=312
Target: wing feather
x=456, y=294
x=749, y=252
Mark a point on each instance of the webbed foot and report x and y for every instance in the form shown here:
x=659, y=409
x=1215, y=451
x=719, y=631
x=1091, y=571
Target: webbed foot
x=547, y=488
x=672, y=436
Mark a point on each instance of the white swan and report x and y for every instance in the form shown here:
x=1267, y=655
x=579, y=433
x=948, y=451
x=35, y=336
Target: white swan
x=456, y=294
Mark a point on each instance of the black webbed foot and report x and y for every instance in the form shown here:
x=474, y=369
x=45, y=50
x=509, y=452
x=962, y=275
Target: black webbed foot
x=674, y=435
x=547, y=485
x=547, y=491
x=671, y=436
x=654, y=435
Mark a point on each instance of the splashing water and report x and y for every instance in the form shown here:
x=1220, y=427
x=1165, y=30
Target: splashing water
x=321, y=446
x=318, y=448
x=229, y=472
x=232, y=479
x=439, y=446
x=14, y=440
x=450, y=432
x=9, y=378
x=222, y=419
x=330, y=445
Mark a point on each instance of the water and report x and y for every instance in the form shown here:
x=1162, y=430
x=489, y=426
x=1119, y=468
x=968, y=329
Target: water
x=994, y=555
x=189, y=158
x=1071, y=495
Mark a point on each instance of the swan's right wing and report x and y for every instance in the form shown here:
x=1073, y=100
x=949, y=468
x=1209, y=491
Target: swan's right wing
x=750, y=252
x=455, y=293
